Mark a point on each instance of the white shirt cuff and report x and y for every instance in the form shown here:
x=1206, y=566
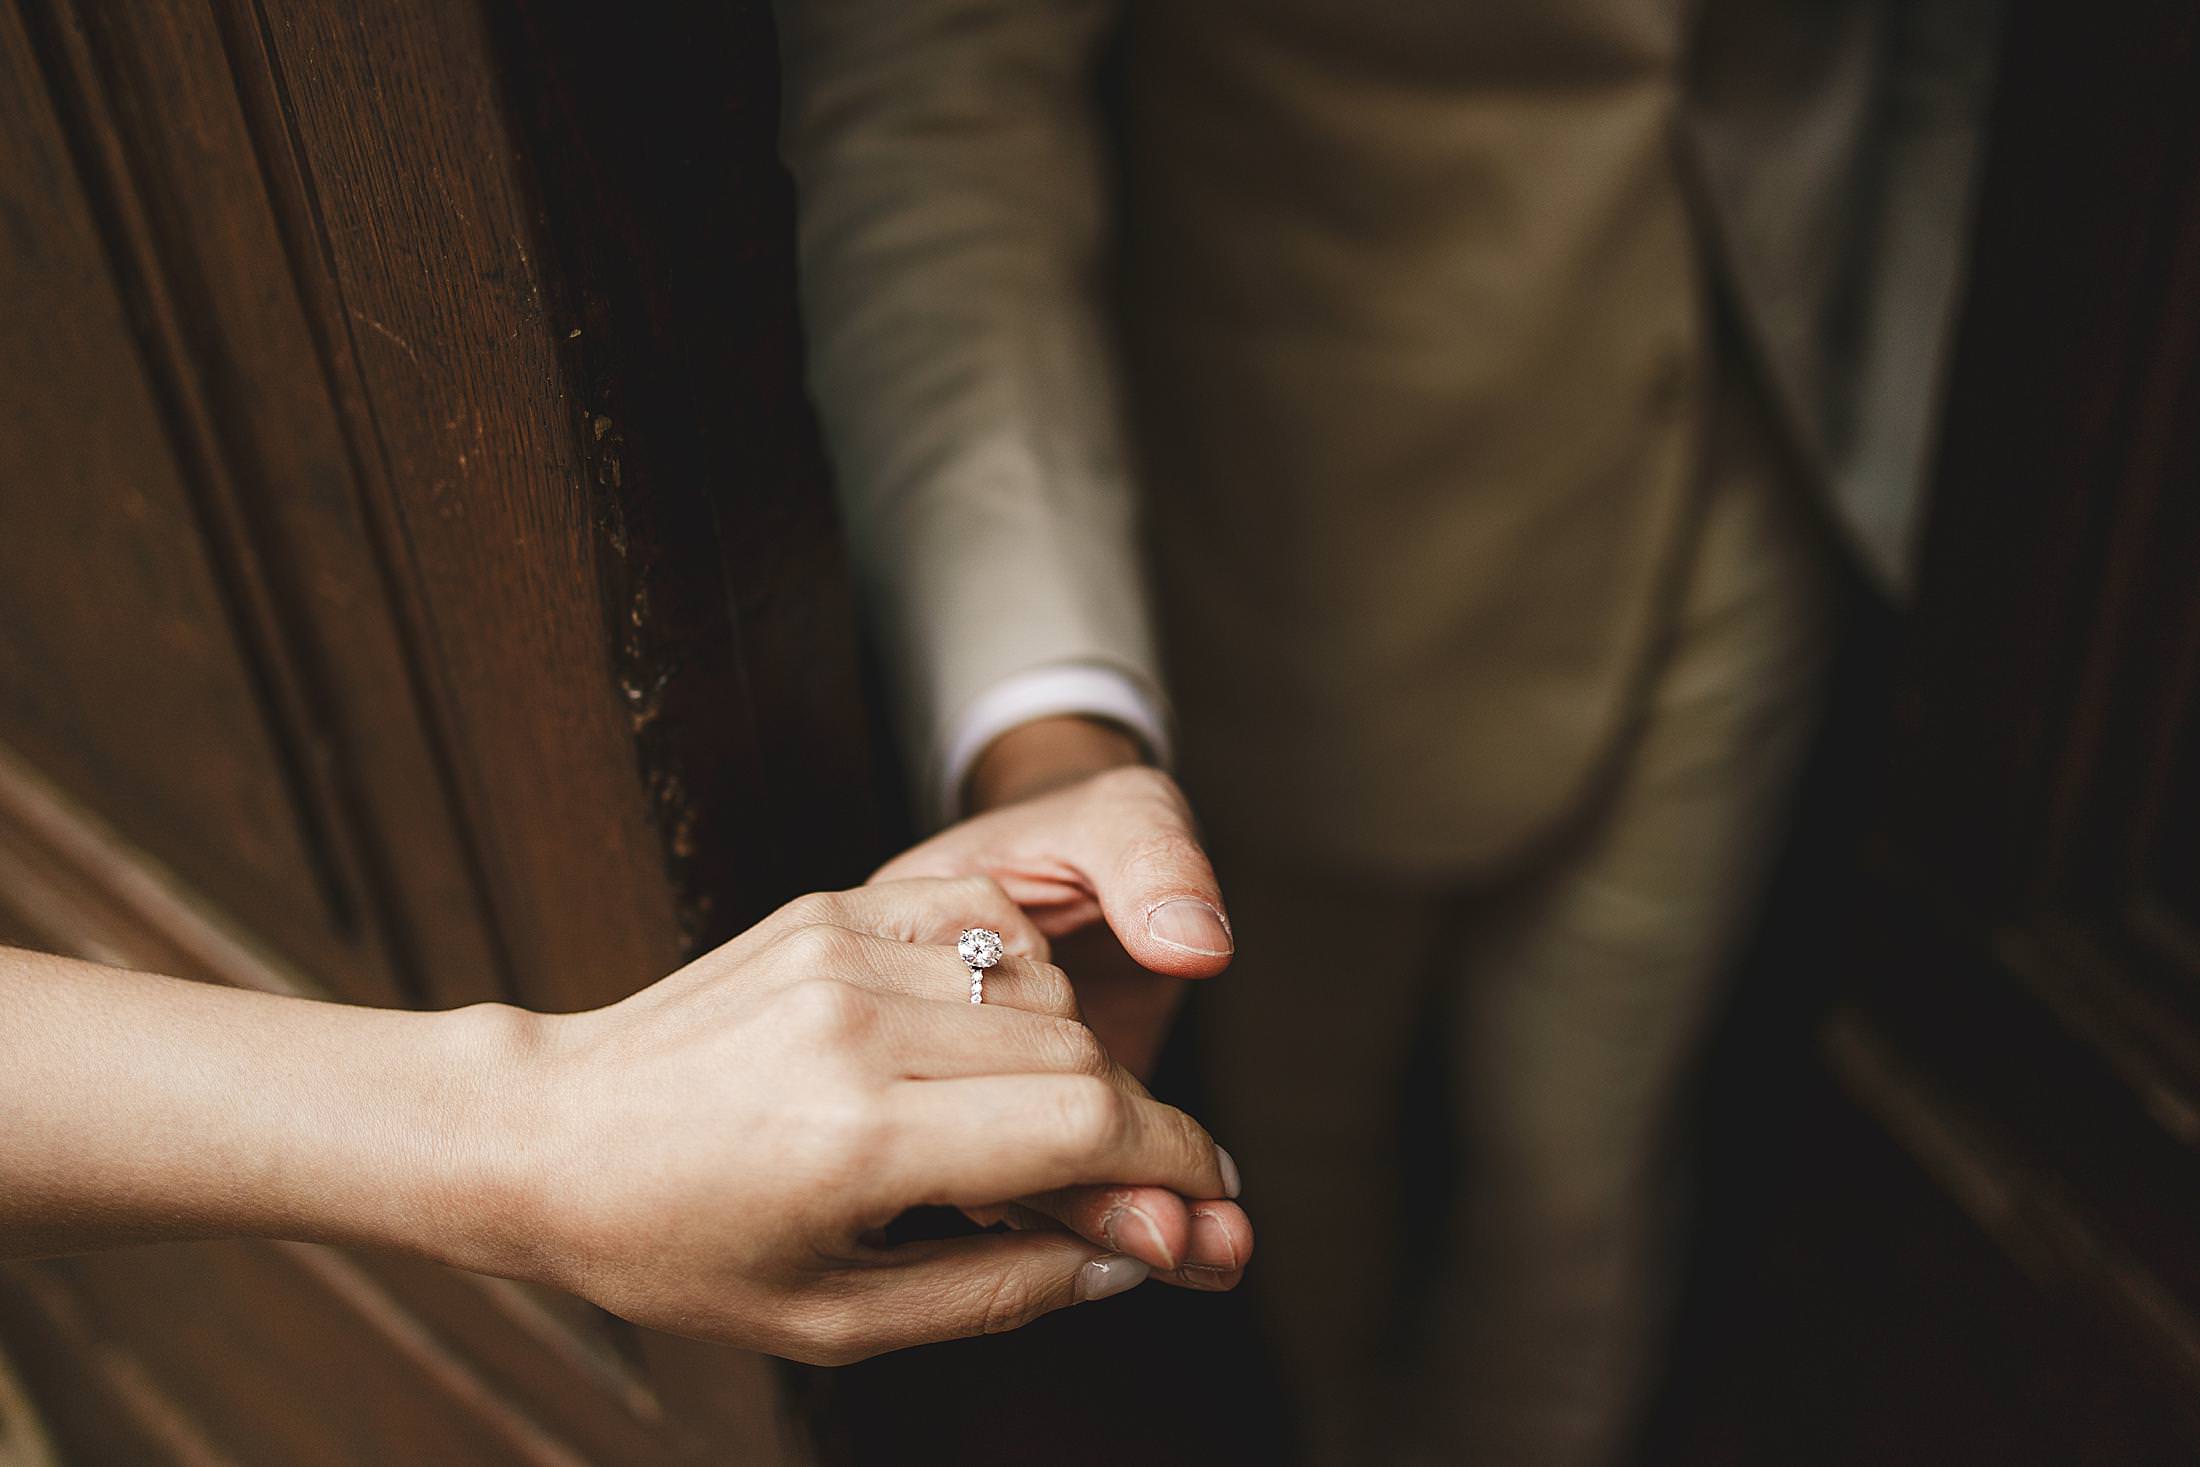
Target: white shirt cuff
x=1091, y=689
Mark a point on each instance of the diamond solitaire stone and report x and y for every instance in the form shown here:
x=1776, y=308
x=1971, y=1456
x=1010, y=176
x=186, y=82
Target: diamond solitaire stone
x=978, y=947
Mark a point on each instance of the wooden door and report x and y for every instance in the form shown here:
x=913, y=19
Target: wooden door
x=1969, y=1236
x=2030, y=1025
x=416, y=587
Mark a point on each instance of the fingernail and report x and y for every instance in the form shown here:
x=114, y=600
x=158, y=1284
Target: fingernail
x=1217, y=1279
x=1110, y=1274
x=1191, y=925
x=1231, y=1183
x=1211, y=1245
x=1131, y=1228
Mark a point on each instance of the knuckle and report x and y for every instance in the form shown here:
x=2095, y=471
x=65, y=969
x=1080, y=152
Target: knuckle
x=1082, y=1050
x=822, y=1009
x=1199, y=1145
x=812, y=909
x=821, y=950
x=1052, y=992
x=1090, y=1116
x=1009, y=1304
x=984, y=892
x=829, y=1337
x=1194, y=1150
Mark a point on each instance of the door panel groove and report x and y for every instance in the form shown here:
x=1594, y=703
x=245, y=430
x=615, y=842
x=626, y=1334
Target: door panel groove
x=133, y=258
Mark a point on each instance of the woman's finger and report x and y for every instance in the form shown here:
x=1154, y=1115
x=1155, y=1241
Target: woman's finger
x=1150, y=1223
x=971, y=1142
x=955, y=1039
x=928, y=1040
x=933, y=912
x=952, y=1288
x=1013, y=983
x=894, y=966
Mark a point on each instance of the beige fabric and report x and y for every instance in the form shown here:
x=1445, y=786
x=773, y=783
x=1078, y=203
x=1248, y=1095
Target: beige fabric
x=1412, y=298
x=1837, y=146
x=1417, y=349
x=952, y=223
x=1574, y=992
x=1410, y=293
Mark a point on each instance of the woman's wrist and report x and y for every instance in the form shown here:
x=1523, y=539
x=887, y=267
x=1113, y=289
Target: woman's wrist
x=1046, y=754
x=487, y=1184
x=433, y=1142
x=146, y=1108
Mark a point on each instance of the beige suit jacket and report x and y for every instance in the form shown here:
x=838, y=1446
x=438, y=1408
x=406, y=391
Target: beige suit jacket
x=1373, y=337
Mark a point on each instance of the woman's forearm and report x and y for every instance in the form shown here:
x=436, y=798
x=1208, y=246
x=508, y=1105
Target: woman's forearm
x=139, y=1108
x=713, y=1154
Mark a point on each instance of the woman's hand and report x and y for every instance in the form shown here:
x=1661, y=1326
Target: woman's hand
x=714, y=1155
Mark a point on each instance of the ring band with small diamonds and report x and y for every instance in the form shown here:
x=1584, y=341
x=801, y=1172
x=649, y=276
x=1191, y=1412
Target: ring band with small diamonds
x=979, y=948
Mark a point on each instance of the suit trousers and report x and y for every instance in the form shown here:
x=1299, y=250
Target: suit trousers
x=1568, y=995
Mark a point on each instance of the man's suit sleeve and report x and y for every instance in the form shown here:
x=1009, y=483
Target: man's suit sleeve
x=953, y=222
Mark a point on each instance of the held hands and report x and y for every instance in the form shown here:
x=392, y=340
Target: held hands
x=715, y=1154
x=1102, y=852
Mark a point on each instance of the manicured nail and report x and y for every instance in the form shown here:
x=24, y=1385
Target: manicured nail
x=1130, y=1228
x=1211, y=1245
x=1192, y=926
x=1231, y=1183
x=1109, y=1274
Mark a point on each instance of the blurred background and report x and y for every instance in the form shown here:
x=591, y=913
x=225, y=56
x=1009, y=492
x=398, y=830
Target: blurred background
x=419, y=584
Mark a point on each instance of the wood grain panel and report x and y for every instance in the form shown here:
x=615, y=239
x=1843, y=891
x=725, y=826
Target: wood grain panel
x=121, y=673
x=283, y=478
x=82, y=889
x=733, y=613
x=77, y=887
x=400, y=179
x=551, y=1354
x=96, y=1398
x=314, y=257
x=291, y=1378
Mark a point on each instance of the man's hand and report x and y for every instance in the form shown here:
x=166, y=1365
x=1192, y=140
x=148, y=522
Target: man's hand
x=1094, y=845
x=1101, y=852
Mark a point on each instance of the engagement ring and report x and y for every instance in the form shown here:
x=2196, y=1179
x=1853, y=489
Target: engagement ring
x=980, y=949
